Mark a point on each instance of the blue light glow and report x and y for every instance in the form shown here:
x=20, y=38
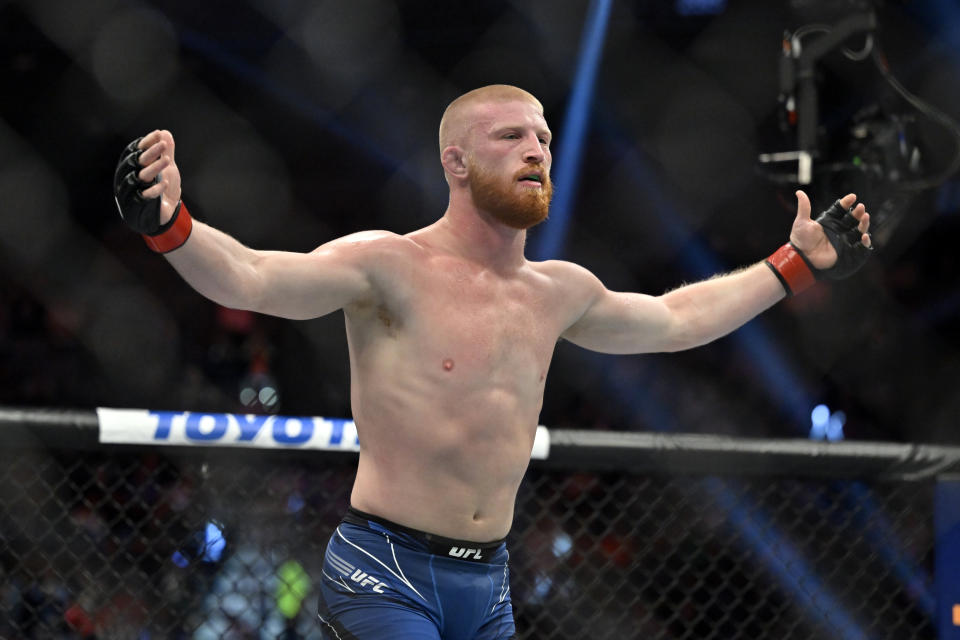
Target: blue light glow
x=213, y=543
x=700, y=7
x=178, y=559
x=795, y=574
x=835, y=426
x=820, y=415
x=295, y=502
x=825, y=425
x=819, y=418
x=542, y=586
x=562, y=544
x=552, y=237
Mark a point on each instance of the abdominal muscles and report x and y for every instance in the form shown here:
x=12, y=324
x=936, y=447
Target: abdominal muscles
x=444, y=447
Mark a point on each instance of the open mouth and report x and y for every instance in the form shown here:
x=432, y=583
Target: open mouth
x=531, y=178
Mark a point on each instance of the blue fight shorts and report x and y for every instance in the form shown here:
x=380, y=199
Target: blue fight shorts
x=383, y=581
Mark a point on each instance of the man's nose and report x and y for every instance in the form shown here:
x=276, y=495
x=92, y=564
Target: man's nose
x=534, y=153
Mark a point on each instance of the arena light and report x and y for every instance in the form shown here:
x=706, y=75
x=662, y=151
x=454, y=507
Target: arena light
x=819, y=418
x=562, y=544
x=551, y=237
x=835, y=426
x=213, y=542
x=825, y=424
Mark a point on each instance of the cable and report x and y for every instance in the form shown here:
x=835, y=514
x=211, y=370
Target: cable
x=807, y=29
x=872, y=49
x=863, y=54
x=931, y=112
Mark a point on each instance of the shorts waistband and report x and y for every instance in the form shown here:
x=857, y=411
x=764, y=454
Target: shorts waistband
x=437, y=545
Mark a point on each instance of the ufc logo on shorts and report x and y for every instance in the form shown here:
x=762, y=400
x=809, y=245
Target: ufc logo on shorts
x=365, y=580
x=465, y=553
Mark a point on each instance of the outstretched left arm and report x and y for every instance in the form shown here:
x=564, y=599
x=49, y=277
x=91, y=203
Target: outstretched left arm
x=695, y=314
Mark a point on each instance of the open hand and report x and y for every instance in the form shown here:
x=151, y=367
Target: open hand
x=808, y=235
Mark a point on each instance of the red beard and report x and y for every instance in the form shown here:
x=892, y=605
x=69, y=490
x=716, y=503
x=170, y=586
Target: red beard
x=520, y=209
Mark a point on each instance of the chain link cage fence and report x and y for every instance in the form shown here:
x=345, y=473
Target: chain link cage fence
x=213, y=543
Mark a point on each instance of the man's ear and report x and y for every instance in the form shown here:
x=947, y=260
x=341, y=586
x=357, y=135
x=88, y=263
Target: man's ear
x=454, y=161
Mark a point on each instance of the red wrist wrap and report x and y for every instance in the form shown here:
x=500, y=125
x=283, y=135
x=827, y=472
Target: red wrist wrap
x=792, y=269
x=175, y=235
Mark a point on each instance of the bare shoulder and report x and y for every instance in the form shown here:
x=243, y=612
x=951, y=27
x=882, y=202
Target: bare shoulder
x=385, y=259
x=370, y=250
x=568, y=277
x=364, y=241
x=573, y=288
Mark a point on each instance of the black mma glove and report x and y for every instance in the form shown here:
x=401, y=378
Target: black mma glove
x=139, y=213
x=842, y=232
x=794, y=270
x=143, y=214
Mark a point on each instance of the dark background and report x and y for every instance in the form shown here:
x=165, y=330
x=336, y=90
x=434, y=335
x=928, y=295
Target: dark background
x=297, y=122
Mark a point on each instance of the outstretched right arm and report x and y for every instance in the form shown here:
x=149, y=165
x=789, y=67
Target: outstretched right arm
x=290, y=285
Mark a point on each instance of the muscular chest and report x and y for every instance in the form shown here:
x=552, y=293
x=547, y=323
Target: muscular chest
x=480, y=321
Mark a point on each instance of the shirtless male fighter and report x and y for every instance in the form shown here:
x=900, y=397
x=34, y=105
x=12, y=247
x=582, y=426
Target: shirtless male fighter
x=451, y=332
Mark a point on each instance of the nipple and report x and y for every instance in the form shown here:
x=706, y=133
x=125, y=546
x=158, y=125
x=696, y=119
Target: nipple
x=447, y=364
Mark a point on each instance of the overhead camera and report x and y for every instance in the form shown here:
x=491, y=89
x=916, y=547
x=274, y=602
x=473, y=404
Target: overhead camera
x=881, y=144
